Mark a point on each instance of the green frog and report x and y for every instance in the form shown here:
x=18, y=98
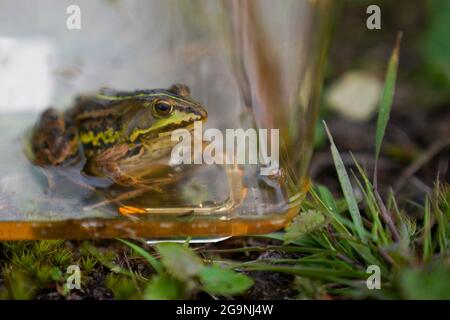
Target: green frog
x=122, y=136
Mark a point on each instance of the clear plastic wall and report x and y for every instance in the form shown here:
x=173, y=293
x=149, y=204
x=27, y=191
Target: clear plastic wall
x=251, y=64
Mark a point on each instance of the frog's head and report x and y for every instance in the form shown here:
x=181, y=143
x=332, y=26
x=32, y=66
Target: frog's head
x=153, y=114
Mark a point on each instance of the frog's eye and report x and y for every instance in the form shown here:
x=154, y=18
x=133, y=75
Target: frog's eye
x=162, y=108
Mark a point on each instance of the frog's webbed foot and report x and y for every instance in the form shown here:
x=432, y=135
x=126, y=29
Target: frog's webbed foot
x=112, y=171
x=137, y=189
x=118, y=199
x=50, y=177
x=157, y=184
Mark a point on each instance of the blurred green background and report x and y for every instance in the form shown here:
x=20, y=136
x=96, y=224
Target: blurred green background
x=420, y=119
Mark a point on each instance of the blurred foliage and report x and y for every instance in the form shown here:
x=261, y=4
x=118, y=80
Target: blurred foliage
x=436, y=42
x=426, y=282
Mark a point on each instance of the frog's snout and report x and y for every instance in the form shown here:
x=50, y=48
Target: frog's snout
x=203, y=113
x=199, y=111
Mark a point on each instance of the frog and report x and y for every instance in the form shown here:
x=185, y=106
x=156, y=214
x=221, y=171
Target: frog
x=121, y=136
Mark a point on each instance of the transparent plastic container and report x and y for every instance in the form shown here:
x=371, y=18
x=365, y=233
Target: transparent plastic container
x=251, y=64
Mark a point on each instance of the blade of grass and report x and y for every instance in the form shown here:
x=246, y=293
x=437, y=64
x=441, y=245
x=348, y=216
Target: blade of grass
x=346, y=188
x=441, y=221
x=92, y=250
x=377, y=231
x=427, y=240
x=270, y=248
x=327, y=198
x=371, y=203
x=324, y=197
x=147, y=256
x=314, y=272
x=385, y=105
x=339, y=222
x=384, y=111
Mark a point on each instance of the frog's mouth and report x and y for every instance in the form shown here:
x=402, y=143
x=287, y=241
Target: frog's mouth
x=164, y=126
x=179, y=120
x=161, y=131
x=189, y=126
x=159, y=146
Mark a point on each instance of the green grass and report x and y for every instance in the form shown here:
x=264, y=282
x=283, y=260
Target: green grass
x=31, y=265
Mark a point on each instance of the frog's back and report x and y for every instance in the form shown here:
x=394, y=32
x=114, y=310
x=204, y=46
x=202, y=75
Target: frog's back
x=98, y=123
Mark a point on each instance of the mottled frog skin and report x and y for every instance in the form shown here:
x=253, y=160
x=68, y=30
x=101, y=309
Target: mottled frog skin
x=120, y=135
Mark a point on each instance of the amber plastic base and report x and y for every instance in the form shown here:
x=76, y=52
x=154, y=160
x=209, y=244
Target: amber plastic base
x=150, y=229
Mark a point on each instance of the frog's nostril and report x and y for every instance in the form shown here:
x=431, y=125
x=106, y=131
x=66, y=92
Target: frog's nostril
x=198, y=111
x=202, y=112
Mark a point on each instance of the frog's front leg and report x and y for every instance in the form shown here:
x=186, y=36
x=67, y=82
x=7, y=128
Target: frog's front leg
x=106, y=164
x=114, y=171
x=117, y=164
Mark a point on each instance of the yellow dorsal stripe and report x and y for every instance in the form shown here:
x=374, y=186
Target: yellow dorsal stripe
x=106, y=137
x=141, y=95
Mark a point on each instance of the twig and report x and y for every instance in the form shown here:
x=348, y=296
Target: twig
x=386, y=216
x=410, y=170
